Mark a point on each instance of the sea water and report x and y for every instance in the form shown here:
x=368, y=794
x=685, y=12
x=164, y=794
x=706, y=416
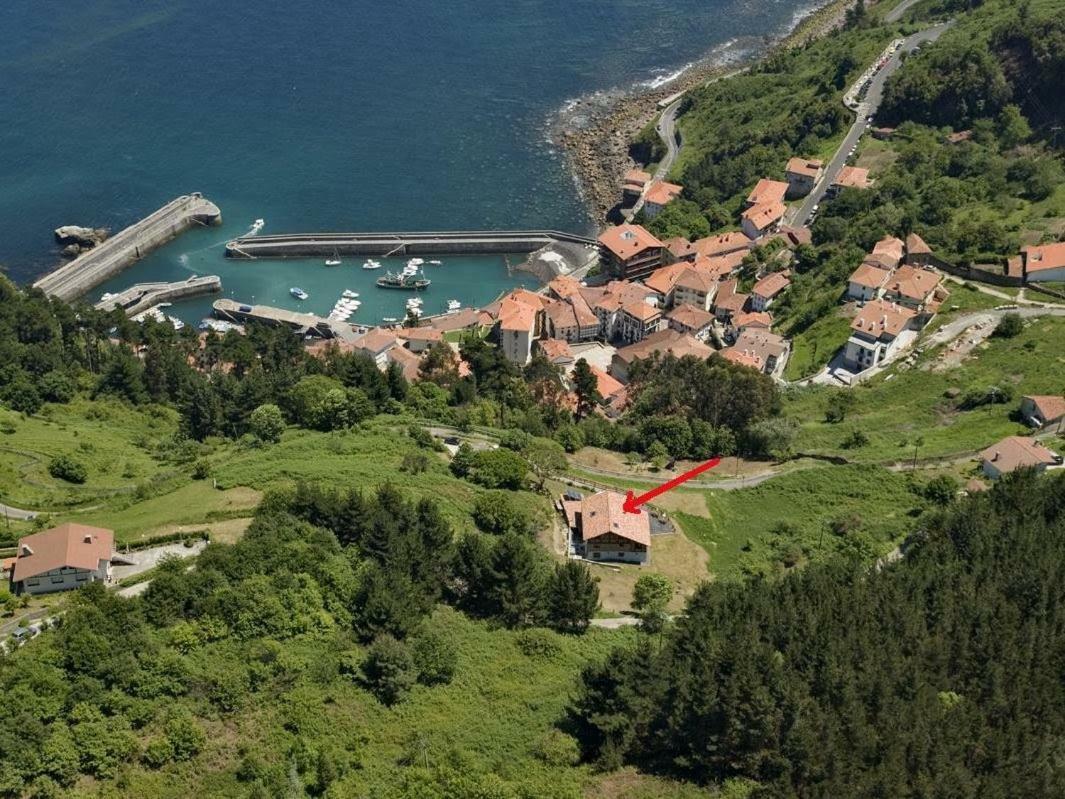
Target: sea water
x=407, y=115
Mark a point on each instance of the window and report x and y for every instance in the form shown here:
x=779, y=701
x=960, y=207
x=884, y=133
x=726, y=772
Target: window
x=57, y=578
x=81, y=578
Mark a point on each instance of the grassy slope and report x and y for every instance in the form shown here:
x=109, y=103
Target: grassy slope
x=738, y=532
x=894, y=412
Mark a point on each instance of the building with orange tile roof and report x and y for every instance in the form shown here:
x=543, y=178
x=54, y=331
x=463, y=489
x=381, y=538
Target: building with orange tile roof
x=375, y=344
x=850, y=177
x=408, y=362
x=766, y=192
x=638, y=319
x=771, y=350
x=876, y=333
x=419, y=339
x=867, y=282
x=563, y=287
x=742, y=358
x=606, y=385
x=722, y=244
x=729, y=301
x=662, y=281
x=600, y=529
x=630, y=252
x=1044, y=263
x=633, y=184
x=61, y=558
x=916, y=249
x=758, y=320
x=658, y=195
x=557, y=351
x=1017, y=452
x=520, y=322
x=891, y=247
x=802, y=175
x=661, y=343
x=1045, y=411
x=912, y=286
x=680, y=248
x=695, y=286
x=691, y=319
x=760, y=219
x=767, y=289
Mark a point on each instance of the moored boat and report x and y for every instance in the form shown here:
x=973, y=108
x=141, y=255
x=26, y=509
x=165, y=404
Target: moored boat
x=407, y=282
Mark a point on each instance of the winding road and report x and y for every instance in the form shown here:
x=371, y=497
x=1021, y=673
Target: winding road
x=866, y=109
x=16, y=513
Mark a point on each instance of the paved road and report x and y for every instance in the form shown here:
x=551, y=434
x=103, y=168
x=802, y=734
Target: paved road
x=868, y=107
x=896, y=13
x=724, y=484
x=667, y=131
x=17, y=514
x=957, y=327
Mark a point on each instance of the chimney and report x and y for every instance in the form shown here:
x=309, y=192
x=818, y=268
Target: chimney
x=995, y=458
x=87, y=539
x=26, y=550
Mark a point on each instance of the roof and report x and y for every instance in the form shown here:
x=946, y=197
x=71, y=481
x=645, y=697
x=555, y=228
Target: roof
x=1044, y=256
x=720, y=266
x=771, y=285
x=604, y=513
x=959, y=136
x=762, y=343
x=564, y=286
x=697, y=280
x=690, y=316
x=605, y=384
x=555, y=349
x=661, y=193
x=76, y=546
x=915, y=245
x=376, y=341
x=421, y=334
x=664, y=341
x=663, y=280
x=742, y=357
x=728, y=298
x=891, y=247
x=582, y=310
x=466, y=317
x=679, y=246
x=795, y=235
x=1015, y=452
x=561, y=314
x=765, y=214
x=1048, y=406
x=722, y=244
x=408, y=362
x=854, y=177
x=912, y=282
x=808, y=167
x=638, y=309
x=516, y=315
x=767, y=191
x=753, y=319
x=637, y=177
x=869, y=275
x=881, y=317
x=625, y=241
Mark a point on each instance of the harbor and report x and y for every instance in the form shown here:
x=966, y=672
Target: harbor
x=142, y=296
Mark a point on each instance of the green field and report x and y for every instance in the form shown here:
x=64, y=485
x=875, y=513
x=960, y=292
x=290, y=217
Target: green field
x=897, y=408
x=743, y=535
x=814, y=347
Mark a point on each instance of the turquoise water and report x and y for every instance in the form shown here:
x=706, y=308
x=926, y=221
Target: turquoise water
x=418, y=114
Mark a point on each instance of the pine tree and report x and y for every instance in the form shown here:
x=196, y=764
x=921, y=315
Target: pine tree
x=573, y=597
x=517, y=581
x=586, y=387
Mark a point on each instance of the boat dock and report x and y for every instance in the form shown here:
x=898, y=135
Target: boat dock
x=126, y=247
x=142, y=296
x=456, y=242
x=307, y=324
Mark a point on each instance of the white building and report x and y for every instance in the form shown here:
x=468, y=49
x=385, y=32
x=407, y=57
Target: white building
x=65, y=557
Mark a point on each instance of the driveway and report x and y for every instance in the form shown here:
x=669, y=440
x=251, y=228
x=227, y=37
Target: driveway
x=869, y=106
x=17, y=514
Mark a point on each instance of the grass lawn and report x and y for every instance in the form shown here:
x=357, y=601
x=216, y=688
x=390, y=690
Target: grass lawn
x=739, y=532
x=113, y=441
x=814, y=347
x=906, y=404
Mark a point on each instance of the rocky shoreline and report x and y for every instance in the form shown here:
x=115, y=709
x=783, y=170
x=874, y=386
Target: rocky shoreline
x=595, y=132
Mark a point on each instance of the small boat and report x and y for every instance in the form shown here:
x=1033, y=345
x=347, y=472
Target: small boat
x=372, y=264
x=415, y=262
x=453, y=305
x=349, y=294
x=435, y=263
x=334, y=261
x=389, y=319
x=257, y=225
x=298, y=293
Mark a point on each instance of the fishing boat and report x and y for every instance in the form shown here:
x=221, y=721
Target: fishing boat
x=372, y=264
x=298, y=293
x=407, y=282
x=334, y=261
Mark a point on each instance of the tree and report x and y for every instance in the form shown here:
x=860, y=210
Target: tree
x=545, y=458
x=267, y=423
x=650, y=597
x=388, y=670
x=123, y=377
x=498, y=468
x=586, y=387
x=21, y=395
x=434, y=657
x=462, y=462
x=517, y=581
x=573, y=597
x=1009, y=325
x=941, y=489
x=201, y=410
x=497, y=512
x=64, y=467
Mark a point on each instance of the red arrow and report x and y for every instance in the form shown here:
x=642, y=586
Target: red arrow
x=632, y=503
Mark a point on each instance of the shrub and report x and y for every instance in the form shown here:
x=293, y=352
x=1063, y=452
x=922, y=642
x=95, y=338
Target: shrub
x=388, y=670
x=64, y=467
x=555, y=748
x=538, y=644
x=941, y=489
x=435, y=658
x=497, y=512
x=1008, y=326
x=267, y=424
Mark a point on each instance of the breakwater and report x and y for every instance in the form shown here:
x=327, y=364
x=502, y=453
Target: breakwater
x=129, y=245
x=142, y=296
x=307, y=324
x=478, y=242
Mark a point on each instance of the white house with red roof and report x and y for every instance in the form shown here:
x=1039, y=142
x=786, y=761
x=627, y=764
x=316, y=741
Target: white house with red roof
x=1017, y=452
x=658, y=196
x=1045, y=411
x=877, y=333
x=64, y=557
x=1044, y=263
x=601, y=530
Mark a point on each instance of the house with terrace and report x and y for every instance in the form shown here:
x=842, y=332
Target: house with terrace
x=877, y=334
x=658, y=196
x=1017, y=452
x=767, y=349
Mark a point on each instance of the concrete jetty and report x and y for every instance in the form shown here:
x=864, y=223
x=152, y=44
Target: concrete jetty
x=307, y=324
x=107, y=259
x=454, y=242
x=142, y=296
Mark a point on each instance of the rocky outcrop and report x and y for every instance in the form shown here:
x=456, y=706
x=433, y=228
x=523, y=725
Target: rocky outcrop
x=79, y=239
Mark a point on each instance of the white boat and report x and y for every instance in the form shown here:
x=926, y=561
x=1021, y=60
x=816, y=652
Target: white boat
x=298, y=293
x=257, y=225
x=372, y=264
x=435, y=263
x=415, y=262
x=334, y=261
x=453, y=305
x=350, y=294
x=389, y=319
